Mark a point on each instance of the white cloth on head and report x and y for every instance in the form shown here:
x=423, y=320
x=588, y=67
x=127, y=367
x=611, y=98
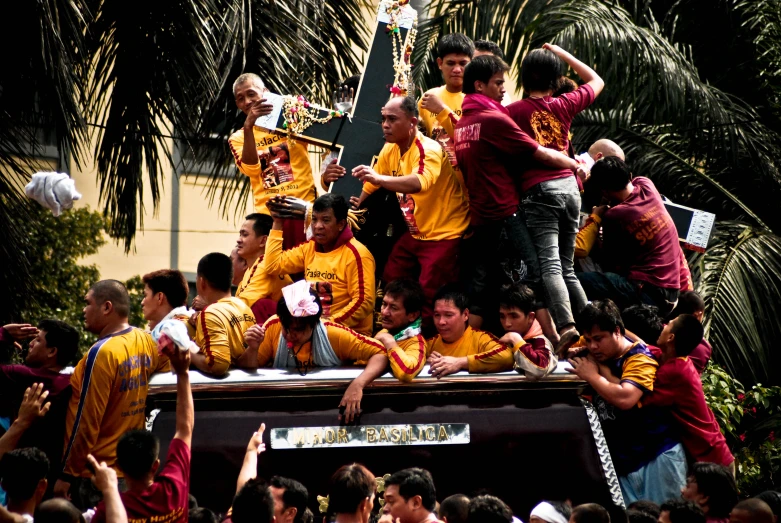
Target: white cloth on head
x=299, y=300
x=55, y=191
x=546, y=512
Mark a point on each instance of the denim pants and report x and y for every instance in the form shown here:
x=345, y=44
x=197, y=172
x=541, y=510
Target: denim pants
x=660, y=480
x=501, y=252
x=552, y=211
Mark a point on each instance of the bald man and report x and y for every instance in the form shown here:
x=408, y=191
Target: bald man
x=604, y=147
x=109, y=385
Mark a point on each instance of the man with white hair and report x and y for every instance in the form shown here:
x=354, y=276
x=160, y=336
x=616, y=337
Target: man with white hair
x=274, y=165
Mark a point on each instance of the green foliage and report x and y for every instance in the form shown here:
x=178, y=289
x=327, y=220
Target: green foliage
x=52, y=249
x=58, y=281
x=135, y=288
x=749, y=420
x=740, y=279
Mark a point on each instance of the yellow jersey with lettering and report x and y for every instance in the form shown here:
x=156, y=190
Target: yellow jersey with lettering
x=440, y=210
x=219, y=332
x=441, y=127
x=110, y=386
x=343, y=278
x=408, y=357
x=283, y=169
x=482, y=350
x=349, y=346
x=258, y=284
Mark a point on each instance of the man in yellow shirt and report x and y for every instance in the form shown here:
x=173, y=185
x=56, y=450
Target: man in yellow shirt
x=440, y=107
x=273, y=165
x=458, y=346
x=109, y=385
x=258, y=289
x=298, y=338
x=432, y=202
x=401, y=335
x=339, y=267
x=220, y=326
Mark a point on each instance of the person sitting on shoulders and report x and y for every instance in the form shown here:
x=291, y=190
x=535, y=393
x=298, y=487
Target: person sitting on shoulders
x=401, y=328
x=534, y=355
x=258, y=289
x=220, y=326
x=296, y=338
x=337, y=265
x=458, y=346
x=432, y=202
x=155, y=494
x=678, y=387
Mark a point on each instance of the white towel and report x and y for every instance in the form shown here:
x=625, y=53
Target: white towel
x=54, y=191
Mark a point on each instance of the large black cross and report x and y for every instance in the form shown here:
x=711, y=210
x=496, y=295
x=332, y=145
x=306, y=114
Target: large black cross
x=360, y=139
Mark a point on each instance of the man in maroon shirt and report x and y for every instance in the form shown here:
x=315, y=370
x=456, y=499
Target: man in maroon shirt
x=678, y=387
x=164, y=498
x=689, y=302
x=639, y=240
x=53, y=347
x=489, y=147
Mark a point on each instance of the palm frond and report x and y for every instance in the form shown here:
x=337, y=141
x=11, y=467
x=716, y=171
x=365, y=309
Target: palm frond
x=740, y=279
x=152, y=65
x=303, y=47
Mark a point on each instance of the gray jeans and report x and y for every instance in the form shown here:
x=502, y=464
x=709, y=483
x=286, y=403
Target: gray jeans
x=552, y=209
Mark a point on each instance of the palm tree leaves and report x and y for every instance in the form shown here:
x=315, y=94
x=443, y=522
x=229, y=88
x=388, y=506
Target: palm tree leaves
x=740, y=279
x=648, y=78
x=303, y=47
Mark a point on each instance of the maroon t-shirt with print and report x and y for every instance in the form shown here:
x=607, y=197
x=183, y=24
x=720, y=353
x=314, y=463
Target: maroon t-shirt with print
x=547, y=120
x=640, y=238
x=167, y=499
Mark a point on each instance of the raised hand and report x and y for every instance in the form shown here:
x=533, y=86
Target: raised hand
x=33, y=406
x=21, y=331
x=256, y=444
x=333, y=172
x=258, y=109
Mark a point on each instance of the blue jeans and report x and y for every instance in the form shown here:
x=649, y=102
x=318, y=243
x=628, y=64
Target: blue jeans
x=501, y=252
x=552, y=210
x=658, y=481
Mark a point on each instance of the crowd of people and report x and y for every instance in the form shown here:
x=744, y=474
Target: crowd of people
x=483, y=278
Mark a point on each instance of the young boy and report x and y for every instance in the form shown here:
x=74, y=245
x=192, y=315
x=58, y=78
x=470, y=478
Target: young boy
x=712, y=487
x=516, y=314
x=678, y=386
x=440, y=108
x=551, y=200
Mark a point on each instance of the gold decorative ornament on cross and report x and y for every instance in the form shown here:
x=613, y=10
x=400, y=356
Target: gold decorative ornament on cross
x=300, y=114
x=402, y=51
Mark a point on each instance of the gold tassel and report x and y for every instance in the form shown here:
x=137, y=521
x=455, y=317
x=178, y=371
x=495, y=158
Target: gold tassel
x=356, y=218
